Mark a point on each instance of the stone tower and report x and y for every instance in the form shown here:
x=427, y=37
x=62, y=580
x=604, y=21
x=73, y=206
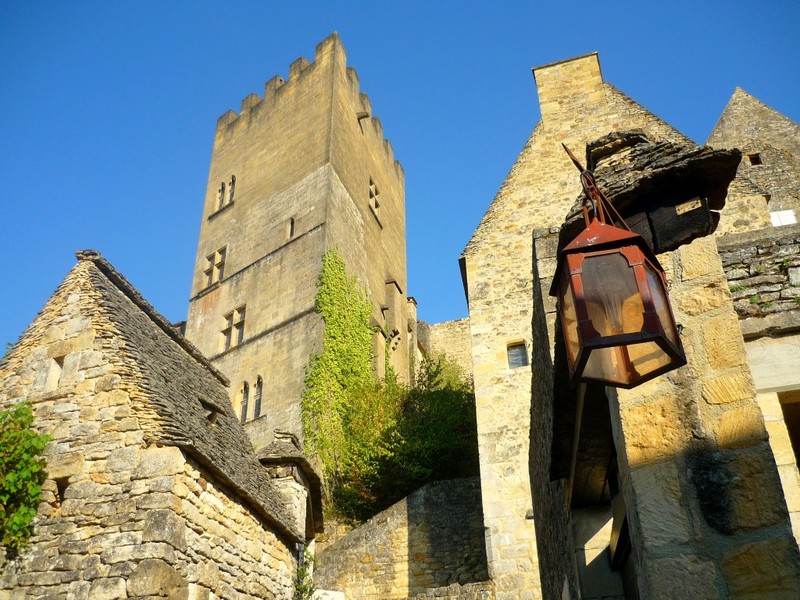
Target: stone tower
x=300, y=171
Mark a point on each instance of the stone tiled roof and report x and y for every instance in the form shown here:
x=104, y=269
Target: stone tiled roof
x=188, y=394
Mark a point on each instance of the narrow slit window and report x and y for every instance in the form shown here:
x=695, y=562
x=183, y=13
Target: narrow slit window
x=54, y=373
x=231, y=189
x=245, y=401
x=517, y=355
x=290, y=228
x=257, y=394
x=221, y=197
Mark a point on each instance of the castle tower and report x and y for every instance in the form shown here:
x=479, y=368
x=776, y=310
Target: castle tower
x=300, y=171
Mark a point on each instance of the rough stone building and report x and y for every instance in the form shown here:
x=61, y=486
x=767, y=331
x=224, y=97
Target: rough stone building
x=299, y=171
x=668, y=490
x=153, y=487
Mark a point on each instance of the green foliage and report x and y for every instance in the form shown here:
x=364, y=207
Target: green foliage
x=377, y=440
x=22, y=472
x=304, y=584
x=342, y=368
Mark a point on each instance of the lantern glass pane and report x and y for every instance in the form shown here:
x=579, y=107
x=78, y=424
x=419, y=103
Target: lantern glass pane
x=569, y=320
x=612, y=295
x=661, y=304
x=625, y=364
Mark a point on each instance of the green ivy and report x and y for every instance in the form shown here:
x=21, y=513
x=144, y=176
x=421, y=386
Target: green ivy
x=378, y=440
x=342, y=367
x=22, y=472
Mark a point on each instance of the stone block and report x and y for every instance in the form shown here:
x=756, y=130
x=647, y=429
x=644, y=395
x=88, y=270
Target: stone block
x=156, y=462
x=723, y=342
x=653, y=431
x=153, y=577
x=730, y=387
x=683, y=577
x=696, y=301
x=740, y=427
x=64, y=464
x=699, y=258
x=765, y=569
x=756, y=493
x=659, y=504
x=165, y=526
x=110, y=588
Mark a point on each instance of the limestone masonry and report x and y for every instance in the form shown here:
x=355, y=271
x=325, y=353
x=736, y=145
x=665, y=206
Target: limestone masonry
x=176, y=467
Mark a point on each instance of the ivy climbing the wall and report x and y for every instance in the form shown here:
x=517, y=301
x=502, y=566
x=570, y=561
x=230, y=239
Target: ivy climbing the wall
x=22, y=473
x=378, y=440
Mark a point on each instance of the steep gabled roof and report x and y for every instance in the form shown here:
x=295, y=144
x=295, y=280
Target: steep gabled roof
x=181, y=399
x=746, y=120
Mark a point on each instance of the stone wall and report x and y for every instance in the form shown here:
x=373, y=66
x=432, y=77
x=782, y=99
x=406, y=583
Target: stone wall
x=451, y=338
x=431, y=539
x=763, y=270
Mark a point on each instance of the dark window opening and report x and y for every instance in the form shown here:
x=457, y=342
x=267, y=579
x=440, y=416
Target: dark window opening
x=517, y=355
x=221, y=195
x=754, y=159
x=258, y=390
x=245, y=399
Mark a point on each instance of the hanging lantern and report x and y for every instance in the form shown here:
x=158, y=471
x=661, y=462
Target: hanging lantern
x=612, y=301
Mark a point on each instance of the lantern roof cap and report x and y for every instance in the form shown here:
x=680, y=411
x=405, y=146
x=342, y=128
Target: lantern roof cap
x=599, y=236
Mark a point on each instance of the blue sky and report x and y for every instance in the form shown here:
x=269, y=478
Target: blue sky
x=108, y=109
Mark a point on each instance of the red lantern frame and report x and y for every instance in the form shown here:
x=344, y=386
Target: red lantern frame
x=615, y=315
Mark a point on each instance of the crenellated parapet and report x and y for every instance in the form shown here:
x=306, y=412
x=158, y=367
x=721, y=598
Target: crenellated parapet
x=329, y=60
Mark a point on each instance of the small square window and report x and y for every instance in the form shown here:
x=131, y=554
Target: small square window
x=782, y=217
x=517, y=355
x=754, y=159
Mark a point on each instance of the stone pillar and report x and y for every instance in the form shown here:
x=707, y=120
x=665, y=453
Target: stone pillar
x=705, y=508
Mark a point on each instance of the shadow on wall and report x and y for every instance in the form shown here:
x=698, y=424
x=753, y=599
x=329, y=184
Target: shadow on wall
x=445, y=536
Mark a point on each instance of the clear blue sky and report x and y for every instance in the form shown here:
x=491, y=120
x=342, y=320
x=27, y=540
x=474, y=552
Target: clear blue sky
x=108, y=109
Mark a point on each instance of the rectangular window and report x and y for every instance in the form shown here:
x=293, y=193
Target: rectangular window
x=215, y=266
x=517, y=355
x=227, y=331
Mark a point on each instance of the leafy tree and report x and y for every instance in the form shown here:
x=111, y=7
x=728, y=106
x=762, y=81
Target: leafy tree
x=22, y=472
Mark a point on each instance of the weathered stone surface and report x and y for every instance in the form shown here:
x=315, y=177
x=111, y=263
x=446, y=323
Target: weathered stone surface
x=766, y=569
x=654, y=431
x=756, y=495
x=429, y=540
x=683, y=577
x=660, y=504
x=165, y=526
x=730, y=387
x=111, y=588
x=740, y=427
x=65, y=464
x=153, y=577
x=723, y=342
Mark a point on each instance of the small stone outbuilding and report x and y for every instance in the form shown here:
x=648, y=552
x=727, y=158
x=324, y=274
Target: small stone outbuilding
x=153, y=487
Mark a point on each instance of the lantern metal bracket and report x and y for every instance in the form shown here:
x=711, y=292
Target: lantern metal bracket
x=601, y=206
